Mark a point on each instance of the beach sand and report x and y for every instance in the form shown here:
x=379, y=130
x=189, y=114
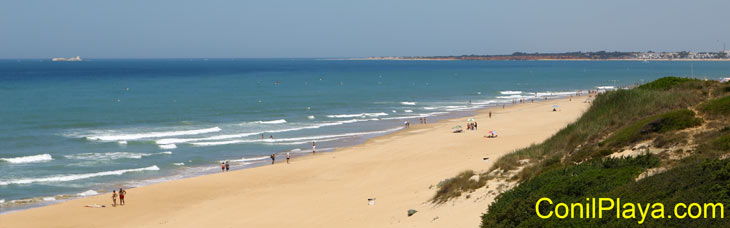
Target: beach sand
x=331, y=189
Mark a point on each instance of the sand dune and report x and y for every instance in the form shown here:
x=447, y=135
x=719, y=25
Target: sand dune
x=400, y=170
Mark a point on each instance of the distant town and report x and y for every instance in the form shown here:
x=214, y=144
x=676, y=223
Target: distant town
x=600, y=55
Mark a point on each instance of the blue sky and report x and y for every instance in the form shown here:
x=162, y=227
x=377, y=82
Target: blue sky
x=342, y=28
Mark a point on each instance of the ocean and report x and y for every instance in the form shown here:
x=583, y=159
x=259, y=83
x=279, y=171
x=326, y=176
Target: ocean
x=73, y=129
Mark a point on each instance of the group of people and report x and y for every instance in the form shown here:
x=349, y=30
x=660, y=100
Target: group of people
x=471, y=126
x=423, y=120
x=225, y=166
x=288, y=155
x=121, y=195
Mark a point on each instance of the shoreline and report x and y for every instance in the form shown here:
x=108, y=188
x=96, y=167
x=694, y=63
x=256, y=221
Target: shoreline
x=415, y=130
x=197, y=171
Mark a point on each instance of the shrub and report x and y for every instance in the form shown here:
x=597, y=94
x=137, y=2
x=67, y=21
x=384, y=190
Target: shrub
x=666, y=83
x=715, y=107
x=453, y=187
x=662, y=123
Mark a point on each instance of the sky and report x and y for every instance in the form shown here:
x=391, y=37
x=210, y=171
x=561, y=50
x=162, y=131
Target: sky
x=351, y=28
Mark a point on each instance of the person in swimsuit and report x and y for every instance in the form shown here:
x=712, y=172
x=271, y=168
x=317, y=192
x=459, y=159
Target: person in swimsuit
x=223, y=167
x=287, y=157
x=228, y=166
x=314, y=147
x=114, y=198
x=273, y=158
x=121, y=196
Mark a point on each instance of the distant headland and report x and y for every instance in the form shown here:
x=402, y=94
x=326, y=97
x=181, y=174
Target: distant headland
x=600, y=55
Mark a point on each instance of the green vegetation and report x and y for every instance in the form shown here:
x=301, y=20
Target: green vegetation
x=717, y=107
x=666, y=83
x=516, y=207
x=701, y=181
x=573, y=165
x=610, y=112
x=453, y=187
x=644, y=129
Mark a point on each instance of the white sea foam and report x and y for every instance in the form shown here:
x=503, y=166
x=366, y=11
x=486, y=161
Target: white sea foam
x=407, y=110
x=2, y=201
x=167, y=146
x=309, y=142
x=430, y=108
x=88, y=193
x=416, y=116
x=29, y=159
x=51, y=198
x=310, y=117
x=250, y=159
x=281, y=121
x=178, y=163
x=106, y=156
x=122, y=142
x=135, y=136
x=296, y=150
x=408, y=103
x=508, y=92
x=511, y=97
x=363, y=115
x=110, y=155
x=605, y=87
x=72, y=177
x=242, y=135
x=308, y=138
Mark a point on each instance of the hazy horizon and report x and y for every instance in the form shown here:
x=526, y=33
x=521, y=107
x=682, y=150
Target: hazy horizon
x=334, y=29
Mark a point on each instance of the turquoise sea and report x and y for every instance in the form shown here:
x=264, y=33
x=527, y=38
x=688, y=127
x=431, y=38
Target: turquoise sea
x=72, y=129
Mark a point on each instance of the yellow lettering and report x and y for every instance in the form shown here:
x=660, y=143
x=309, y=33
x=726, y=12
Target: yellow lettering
x=557, y=210
x=602, y=208
x=713, y=206
x=537, y=208
x=678, y=215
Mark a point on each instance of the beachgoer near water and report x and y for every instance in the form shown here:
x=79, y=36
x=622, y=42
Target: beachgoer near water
x=314, y=147
x=490, y=114
x=273, y=158
x=287, y=157
x=228, y=166
x=122, y=193
x=114, y=198
x=271, y=136
x=424, y=120
x=223, y=167
x=262, y=136
x=475, y=126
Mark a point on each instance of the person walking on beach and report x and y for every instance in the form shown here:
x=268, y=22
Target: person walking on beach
x=273, y=158
x=287, y=157
x=114, y=198
x=314, y=147
x=122, y=193
x=228, y=166
x=490, y=115
x=475, y=125
x=223, y=167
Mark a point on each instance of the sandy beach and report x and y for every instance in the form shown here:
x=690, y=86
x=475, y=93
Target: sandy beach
x=400, y=170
